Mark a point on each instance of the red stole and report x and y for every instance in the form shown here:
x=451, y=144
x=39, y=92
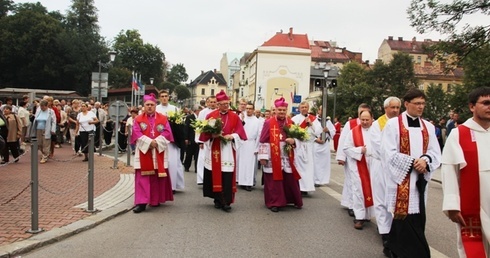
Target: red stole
x=146, y=160
x=275, y=138
x=353, y=123
x=470, y=195
x=311, y=118
x=403, y=191
x=362, y=168
x=231, y=121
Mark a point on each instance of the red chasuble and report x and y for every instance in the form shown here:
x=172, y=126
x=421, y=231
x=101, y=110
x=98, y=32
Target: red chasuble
x=230, y=125
x=151, y=131
x=362, y=168
x=403, y=191
x=469, y=189
x=311, y=118
x=275, y=133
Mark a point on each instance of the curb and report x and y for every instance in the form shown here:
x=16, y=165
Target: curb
x=58, y=234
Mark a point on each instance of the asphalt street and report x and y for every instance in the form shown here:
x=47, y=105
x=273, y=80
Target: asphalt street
x=191, y=227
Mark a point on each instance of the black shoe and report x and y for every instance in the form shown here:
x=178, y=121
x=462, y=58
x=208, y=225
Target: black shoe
x=226, y=208
x=139, y=208
x=274, y=209
x=217, y=204
x=304, y=193
x=386, y=252
x=173, y=191
x=248, y=188
x=186, y=170
x=350, y=212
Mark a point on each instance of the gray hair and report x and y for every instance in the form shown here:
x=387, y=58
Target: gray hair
x=390, y=99
x=43, y=102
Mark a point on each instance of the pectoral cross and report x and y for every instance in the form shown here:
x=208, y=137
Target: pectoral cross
x=216, y=154
x=473, y=228
x=152, y=132
x=275, y=133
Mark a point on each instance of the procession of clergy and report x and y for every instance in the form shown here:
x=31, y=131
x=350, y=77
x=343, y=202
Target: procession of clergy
x=387, y=163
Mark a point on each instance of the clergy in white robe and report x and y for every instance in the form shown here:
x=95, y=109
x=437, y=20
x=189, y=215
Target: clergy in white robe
x=203, y=148
x=466, y=178
x=357, y=147
x=247, y=153
x=377, y=171
x=321, y=153
x=305, y=163
x=176, y=170
x=346, y=200
x=411, y=153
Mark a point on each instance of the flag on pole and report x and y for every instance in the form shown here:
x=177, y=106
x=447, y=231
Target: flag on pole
x=140, y=84
x=134, y=84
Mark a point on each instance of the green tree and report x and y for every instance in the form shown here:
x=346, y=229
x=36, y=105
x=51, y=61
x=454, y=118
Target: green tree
x=135, y=55
x=177, y=74
x=477, y=68
x=30, y=52
x=445, y=18
x=5, y=7
x=458, y=101
x=436, y=106
x=167, y=86
x=182, y=92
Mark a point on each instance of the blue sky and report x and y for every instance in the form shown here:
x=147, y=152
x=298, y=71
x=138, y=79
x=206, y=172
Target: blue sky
x=196, y=33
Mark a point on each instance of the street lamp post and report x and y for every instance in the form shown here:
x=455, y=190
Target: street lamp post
x=324, y=100
x=112, y=56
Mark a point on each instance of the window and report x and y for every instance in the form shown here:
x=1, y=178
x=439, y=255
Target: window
x=203, y=91
x=419, y=59
x=421, y=87
x=212, y=92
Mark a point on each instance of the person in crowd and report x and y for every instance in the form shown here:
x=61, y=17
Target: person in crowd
x=13, y=135
x=338, y=129
x=122, y=140
x=210, y=106
x=86, y=125
x=9, y=101
x=23, y=115
x=192, y=149
x=56, y=111
x=129, y=127
x=452, y=123
x=108, y=130
x=304, y=164
x=247, y=153
x=176, y=169
x=465, y=180
x=102, y=117
x=72, y=125
x=151, y=134
x=346, y=200
x=358, y=149
x=281, y=178
x=377, y=171
x=411, y=154
x=43, y=128
x=321, y=152
x=219, y=182
x=60, y=139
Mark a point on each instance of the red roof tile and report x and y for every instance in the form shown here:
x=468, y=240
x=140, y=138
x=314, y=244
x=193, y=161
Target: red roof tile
x=288, y=40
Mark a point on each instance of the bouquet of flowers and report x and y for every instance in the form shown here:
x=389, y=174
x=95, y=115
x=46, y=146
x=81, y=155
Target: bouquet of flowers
x=296, y=132
x=176, y=117
x=211, y=125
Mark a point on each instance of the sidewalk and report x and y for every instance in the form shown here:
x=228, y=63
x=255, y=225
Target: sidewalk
x=63, y=193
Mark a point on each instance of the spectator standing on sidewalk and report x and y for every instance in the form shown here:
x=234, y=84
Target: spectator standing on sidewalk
x=85, y=126
x=23, y=114
x=43, y=127
x=13, y=136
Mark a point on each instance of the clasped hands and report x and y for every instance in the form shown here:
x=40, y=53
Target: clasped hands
x=153, y=144
x=420, y=165
x=228, y=137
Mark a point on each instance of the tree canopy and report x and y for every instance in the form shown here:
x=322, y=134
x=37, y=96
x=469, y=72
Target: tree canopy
x=446, y=18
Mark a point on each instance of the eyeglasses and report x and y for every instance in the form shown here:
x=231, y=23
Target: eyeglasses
x=485, y=102
x=418, y=103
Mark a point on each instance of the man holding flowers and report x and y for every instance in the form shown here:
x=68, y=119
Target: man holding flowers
x=276, y=156
x=221, y=131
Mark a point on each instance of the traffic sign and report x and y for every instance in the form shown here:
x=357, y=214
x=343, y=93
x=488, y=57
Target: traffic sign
x=118, y=110
x=95, y=92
